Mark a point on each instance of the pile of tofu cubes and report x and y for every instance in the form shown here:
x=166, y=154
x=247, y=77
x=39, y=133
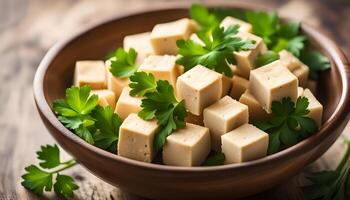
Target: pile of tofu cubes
x=220, y=109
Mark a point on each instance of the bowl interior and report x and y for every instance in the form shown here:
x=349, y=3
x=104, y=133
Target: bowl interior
x=99, y=41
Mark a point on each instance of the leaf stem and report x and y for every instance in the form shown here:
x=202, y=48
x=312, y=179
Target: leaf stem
x=68, y=164
x=345, y=158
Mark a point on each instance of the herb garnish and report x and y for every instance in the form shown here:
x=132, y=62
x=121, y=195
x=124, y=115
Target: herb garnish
x=215, y=159
x=266, y=58
x=123, y=63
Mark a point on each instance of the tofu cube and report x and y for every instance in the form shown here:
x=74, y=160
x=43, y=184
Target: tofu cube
x=302, y=73
x=226, y=85
x=243, y=26
x=272, y=82
x=136, y=138
x=105, y=98
x=90, y=73
x=162, y=67
x=115, y=84
x=239, y=86
x=199, y=87
x=246, y=59
x=289, y=60
x=244, y=143
x=196, y=39
x=164, y=36
x=187, y=147
x=312, y=85
x=256, y=112
x=141, y=43
x=222, y=117
x=300, y=91
x=127, y=104
x=315, y=107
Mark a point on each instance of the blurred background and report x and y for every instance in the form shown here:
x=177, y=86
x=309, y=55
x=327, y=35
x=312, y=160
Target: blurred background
x=28, y=28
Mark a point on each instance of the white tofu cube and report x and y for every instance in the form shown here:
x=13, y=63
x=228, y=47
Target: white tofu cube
x=289, y=60
x=136, y=138
x=226, y=85
x=199, y=87
x=244, y=143
x=302, y=73
x=115, y=84
x=222, y=117
x=127, y=104
x=105, y=98
x=90, y=73
x=164, y=36
x=141, y=43
x=272, y=82
x=300, y=91
x=162, y=67
x=196, y=39
x=239, y=86
x=188, y=147
x=243, y=26
x=315, y=107
x=246, y=59
x=256, y=112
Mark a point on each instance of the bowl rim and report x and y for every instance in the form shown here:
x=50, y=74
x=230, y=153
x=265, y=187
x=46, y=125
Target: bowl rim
x=329, y=46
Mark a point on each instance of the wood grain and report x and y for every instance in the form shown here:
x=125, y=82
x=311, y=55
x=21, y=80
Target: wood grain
x=29, y=27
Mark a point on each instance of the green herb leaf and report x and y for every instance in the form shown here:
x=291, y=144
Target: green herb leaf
x=217, y=51
x=49, y=156
x=289, y=123
x=107, y=123
x=215, y=159
x=266, y=58
x=123, y=64
x=65, y=186
x=142, y=83
x=37, y=180
x=296, y=45
x=316, y=62
x=203, y=17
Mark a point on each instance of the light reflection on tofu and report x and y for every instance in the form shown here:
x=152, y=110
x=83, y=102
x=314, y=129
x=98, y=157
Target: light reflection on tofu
x=189, y=146
x=141, y=43
x=127, y=104
x=90, y=73
x=105, y=98
x=244, y=143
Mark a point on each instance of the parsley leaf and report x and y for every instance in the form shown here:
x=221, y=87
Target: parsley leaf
x=203, y=17
x=142, y=83
x=37, y=180
x=65, y=186
x=123, y=64
x=74, y=111
x=315, y=61
x=215, y=159
x=289, y=123
x=217, y=51
x=107, y=123
x=50, y=156
x=266, y=58
x=264, y=24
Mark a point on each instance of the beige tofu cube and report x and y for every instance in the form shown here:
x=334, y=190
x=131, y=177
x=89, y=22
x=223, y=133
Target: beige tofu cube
x=243, y=26
x=300, y=91
x=302, y=73
x=105, y=98
x=136, y=138
x=272, y=82
x=115, y=84
x=222, y=117
x=141, y=43
x=312, y=85
x=196, y=39
x=194, y=119
x=164, y=36
x=187, y=147
x=226, y=85
x=239, y=86
x=127, y=104
x=244, y=143
x=315, y=107
x=90, y=73
x=289, y=60
x=162, y=67
x=246, y=59
x=256, y=112
x=199, y=87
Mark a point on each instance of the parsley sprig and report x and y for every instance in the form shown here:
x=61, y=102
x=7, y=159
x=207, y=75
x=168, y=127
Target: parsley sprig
x=158, y=102
x=266, y=58
x=331, y=184
x=215, y=159
x=217, y=51
x=289, y=123
x=80, y=113
x=123, y=63
x=37, y=179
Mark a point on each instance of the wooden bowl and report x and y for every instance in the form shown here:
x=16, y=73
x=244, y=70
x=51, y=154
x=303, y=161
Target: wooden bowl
x=155, y=181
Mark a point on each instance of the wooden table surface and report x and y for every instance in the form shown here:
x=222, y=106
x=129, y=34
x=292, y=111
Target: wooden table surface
x=28, y=28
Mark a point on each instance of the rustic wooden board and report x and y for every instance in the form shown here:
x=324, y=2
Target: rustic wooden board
x=29, y=27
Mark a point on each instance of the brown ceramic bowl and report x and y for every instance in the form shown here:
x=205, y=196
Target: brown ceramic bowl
x=155, y=181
